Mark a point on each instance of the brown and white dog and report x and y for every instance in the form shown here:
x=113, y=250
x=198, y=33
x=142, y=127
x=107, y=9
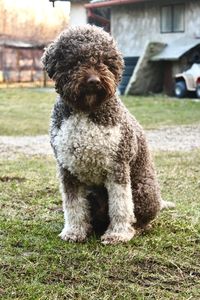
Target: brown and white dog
x=105, y=168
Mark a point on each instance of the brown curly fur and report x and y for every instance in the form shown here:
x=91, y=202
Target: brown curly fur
x=75, y=56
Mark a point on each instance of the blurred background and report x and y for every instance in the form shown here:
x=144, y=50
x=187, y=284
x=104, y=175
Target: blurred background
x=26, y=27
x=159, y=39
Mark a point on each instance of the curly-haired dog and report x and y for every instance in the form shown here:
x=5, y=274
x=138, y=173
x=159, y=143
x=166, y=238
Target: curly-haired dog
x=105, y=168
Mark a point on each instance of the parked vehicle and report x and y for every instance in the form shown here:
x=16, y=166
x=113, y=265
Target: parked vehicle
x=188, y=81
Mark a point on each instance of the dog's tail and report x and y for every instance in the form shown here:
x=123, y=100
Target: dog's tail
x=166, y=205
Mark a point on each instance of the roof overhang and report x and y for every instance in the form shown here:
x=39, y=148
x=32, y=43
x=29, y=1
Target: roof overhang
x=110, y=3
x=20, y=44
x=176, y=49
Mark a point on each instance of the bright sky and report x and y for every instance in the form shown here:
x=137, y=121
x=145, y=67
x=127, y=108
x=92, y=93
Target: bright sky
x=41, y=9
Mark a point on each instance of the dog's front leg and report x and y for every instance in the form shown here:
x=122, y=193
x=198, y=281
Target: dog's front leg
x=121, y=213
x=76, y=209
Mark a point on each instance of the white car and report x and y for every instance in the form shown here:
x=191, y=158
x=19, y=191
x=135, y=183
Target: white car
x=188, y=81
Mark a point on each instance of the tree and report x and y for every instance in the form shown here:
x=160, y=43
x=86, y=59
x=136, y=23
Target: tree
x=23, y=23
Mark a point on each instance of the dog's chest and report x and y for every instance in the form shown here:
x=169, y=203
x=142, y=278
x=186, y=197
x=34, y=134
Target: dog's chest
x=86, y=149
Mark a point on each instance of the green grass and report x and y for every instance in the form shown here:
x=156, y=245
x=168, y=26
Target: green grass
x=158, y=111
x=35, y=264
x=26, y=111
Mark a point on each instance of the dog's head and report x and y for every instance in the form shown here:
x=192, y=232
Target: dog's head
x=86, y=66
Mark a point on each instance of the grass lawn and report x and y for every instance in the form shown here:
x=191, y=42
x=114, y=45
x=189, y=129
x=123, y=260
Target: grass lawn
x=26, y=111
x=159, y=111
x=35, y=264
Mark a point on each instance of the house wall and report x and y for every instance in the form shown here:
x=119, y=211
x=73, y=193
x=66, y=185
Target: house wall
x=20, y=65
x=133, y=26
x=78, y=15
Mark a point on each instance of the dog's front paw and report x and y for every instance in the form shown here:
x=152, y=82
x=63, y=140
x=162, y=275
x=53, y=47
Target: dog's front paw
x=115, y=237
x=74, y=235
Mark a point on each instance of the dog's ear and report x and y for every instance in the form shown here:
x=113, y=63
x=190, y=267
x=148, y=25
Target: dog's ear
x=49, y=59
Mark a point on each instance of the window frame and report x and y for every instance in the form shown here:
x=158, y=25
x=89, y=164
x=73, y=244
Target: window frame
x=172, y=15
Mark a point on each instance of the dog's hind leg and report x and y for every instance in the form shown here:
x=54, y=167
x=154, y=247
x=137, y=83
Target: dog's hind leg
x=76, y=208
x=167, y=205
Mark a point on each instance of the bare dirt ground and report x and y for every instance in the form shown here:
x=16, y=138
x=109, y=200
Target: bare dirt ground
x=181, y=138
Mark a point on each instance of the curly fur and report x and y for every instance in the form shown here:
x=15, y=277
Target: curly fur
x=107, y=177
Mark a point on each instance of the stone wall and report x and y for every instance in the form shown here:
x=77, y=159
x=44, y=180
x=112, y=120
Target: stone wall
x=147, y=76
x=133, y=26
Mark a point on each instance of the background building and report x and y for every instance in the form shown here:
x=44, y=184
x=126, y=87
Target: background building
x=157, y=38
x=20, y=61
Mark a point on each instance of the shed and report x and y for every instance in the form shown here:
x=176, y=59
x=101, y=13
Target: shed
x=20, y=61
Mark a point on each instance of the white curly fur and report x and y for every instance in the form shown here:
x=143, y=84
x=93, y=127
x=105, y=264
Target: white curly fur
x=86, y=149
x=77, y=217
x=121, y=212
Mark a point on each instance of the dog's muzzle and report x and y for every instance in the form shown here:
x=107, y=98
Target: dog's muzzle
x=93, y=83
x=93, y=80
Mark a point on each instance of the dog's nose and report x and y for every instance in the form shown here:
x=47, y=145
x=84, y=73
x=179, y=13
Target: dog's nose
x=93, y=80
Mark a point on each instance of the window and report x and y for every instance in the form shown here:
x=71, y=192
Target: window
x=172, y=18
